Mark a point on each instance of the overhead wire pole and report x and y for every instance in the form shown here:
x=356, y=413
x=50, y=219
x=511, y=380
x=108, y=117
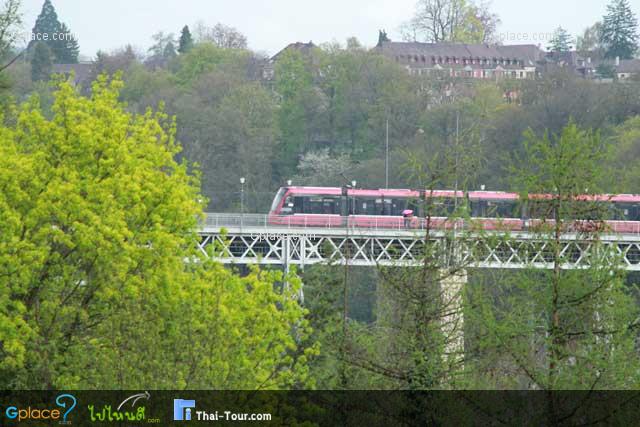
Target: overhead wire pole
x=386, y=159
x=456, y=158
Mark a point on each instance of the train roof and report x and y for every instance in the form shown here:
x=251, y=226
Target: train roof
x=371, y=192
x=486, y=195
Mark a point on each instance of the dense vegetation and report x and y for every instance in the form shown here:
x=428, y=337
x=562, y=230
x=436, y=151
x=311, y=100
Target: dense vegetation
x=102, y=185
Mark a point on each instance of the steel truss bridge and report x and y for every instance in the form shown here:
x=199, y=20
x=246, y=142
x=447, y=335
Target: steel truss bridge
x=250, y=239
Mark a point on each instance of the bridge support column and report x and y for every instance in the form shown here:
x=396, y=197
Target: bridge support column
x=452, y=287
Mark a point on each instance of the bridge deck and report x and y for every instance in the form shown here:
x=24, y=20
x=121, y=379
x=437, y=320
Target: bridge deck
x=250, y=239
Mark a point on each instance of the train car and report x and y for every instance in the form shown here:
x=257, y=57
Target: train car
x=403, y=208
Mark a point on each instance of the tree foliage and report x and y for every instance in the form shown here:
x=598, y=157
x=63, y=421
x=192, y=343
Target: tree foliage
x=10, y=21
x=98, y=262
x=41, y=62
x=619, y=34
x=56, y=35
x=462, y=21
x=221, y=35
x=561, y=41
x=186, y=41
x=559, y=328
x=162, y=51
x=588, y=43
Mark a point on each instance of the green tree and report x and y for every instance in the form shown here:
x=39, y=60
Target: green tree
x=605, y=71
x=461, y=21
x=99, y=262
x=66, y=48
x=625, y=141
x=46, y=22
x=221, y=35
x=619, y=34
x=588, y=44
x=55, y=35
x=186, y=41
x=299, y=104
x=561, y=41
x=558, y=328
x=205, y=58
x=162, y=51
x=41, y=62
x=10, y=22
x=169, y=51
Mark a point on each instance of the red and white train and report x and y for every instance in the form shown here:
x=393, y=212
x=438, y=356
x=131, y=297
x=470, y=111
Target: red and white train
x=335, y=207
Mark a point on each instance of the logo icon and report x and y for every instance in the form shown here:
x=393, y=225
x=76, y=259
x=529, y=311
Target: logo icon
x=182, y=409
x=66, y=405
x=21, y=413
x=106, y=413
x=135, y=398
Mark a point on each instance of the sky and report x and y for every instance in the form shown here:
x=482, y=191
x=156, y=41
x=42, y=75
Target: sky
x=272, y=24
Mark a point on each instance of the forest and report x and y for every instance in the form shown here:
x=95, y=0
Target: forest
x=104, y=180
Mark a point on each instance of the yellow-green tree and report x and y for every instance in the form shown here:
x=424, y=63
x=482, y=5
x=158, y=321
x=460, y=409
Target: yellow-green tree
x=100, y=282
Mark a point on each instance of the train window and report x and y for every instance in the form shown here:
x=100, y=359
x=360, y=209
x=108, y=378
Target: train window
x=540, y=209
x=398, y=206
x=314, y=205
x=365, y=206
x=276, y=201
x=414, y=205
x=625, y=211
x=503, y=209
x=494, y=209
x=287, y=206
x=331, y=205
x=440, y=207
x=327, y=205
x=386, y=207
x=298, y=205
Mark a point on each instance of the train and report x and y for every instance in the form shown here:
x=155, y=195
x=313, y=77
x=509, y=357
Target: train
x=399, y=208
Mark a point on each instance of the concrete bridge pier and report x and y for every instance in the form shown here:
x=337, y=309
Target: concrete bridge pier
x=452, y=288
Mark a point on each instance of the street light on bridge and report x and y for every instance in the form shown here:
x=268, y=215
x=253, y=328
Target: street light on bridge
x=242, y=195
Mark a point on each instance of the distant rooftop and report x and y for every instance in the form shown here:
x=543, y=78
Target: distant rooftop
x=81, y=71
x=527, y=54
x=628, y=66
x=304, y=48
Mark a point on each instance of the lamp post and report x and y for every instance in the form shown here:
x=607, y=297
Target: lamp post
x=386, y=154
x=353, y=200
x=242, y=195
x=386, y=159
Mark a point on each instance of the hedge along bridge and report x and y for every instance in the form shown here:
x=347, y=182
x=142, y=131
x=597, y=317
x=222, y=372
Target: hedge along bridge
x=250, y=239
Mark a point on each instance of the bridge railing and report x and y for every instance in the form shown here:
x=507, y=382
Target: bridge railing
x=235, y=220
x=217, y=220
